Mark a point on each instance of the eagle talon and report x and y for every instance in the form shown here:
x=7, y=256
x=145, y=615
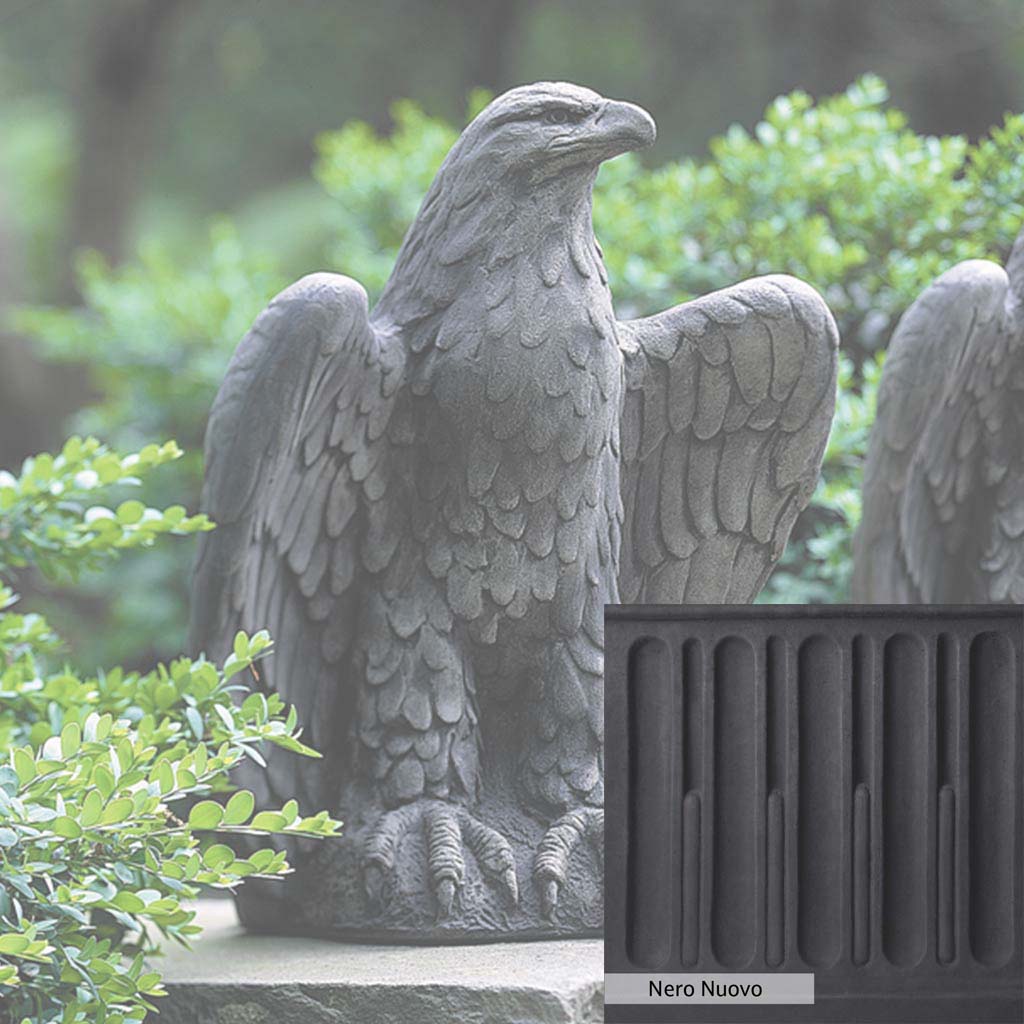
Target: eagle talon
x=445, y=893
x=551, y=865
x=510, y=884
x=549, y=899
x=448, y=831
x=373, y=882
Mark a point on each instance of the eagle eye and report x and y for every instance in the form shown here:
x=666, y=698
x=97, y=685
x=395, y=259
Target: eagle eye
x=560, y=115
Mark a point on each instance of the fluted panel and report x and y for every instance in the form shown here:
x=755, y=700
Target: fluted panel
x=692, y=760
x=820, y=705
x=947, y=759
x=904, y=792
x=650, y=793
x=734, y=801
x=776, y=756
x=992, y=813
x=862, y=681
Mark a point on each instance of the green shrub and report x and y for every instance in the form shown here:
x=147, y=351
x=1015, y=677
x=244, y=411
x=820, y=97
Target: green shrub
x=155, y=338
x=843, y=194
x=816, y=565
x=94, y=863
x=377, y=185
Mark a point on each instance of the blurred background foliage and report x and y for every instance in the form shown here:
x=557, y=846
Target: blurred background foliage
x=167, y=165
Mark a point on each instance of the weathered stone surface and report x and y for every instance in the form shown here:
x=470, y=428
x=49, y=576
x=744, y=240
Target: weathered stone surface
x=234, y=977
x=429, y=503
x=944, y=474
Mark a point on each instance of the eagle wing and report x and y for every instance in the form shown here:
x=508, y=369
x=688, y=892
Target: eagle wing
x=729, y=400
x=938, y=448
x=296, y=480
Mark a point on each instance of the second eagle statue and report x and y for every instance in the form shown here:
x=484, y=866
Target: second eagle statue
x=429, y=504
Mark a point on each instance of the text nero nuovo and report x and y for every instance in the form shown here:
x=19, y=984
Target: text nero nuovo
x=709, y=988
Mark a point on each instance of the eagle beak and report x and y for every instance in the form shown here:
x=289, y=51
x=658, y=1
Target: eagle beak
x=620, y=127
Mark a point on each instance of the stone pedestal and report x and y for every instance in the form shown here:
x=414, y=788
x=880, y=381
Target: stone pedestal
x=233, y=977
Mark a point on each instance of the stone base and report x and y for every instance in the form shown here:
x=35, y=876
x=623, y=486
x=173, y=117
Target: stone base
x=327, y=895
x=233, y=977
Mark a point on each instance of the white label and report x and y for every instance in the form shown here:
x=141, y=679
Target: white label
x=708, y=988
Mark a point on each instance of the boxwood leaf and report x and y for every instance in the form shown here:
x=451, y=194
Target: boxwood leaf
x=207, y=814
x=239, y=808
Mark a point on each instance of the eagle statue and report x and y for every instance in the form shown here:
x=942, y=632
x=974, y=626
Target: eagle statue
x=428, y=505
x=943, y=493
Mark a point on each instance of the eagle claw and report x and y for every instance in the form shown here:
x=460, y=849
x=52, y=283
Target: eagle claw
x=551, y=864
x=448, y=831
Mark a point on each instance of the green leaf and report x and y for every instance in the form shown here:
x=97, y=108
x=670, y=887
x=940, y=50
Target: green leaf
x=268, y=821
x=103, y=780
x=207, y=814
x=290, y=811
x=12, y=944
x=9, y=781
x=254, y=755
x=70, y=739
x=241, y=646
x=255, y=707
x=128, y=902
x=217, y=856
x=130, y=512
x=67, y=827
x=150, y=983
x=92, y=807
x=224, y=714
x=24, y=765
x=232, y=666
x=195, y=721
x=116, y=811
x=165, y=777
x=239, y=808
x=260, y=641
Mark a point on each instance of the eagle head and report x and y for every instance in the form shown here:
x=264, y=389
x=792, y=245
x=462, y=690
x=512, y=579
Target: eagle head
x=523, y=169
x=540, y=131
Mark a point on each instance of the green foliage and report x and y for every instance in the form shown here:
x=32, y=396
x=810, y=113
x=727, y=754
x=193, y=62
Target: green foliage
x=843, y=194
x=995, y=174
x=94, y=863
x=57, y=522
x=155, y=336
x=378, y=185
x=47, y=521
x=817, y=566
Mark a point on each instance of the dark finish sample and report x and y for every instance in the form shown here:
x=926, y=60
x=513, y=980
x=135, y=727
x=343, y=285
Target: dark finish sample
x=943, y=517
x=845, y=793
x=429, y=504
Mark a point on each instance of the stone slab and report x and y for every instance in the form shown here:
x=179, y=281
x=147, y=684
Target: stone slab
x=234, y=977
